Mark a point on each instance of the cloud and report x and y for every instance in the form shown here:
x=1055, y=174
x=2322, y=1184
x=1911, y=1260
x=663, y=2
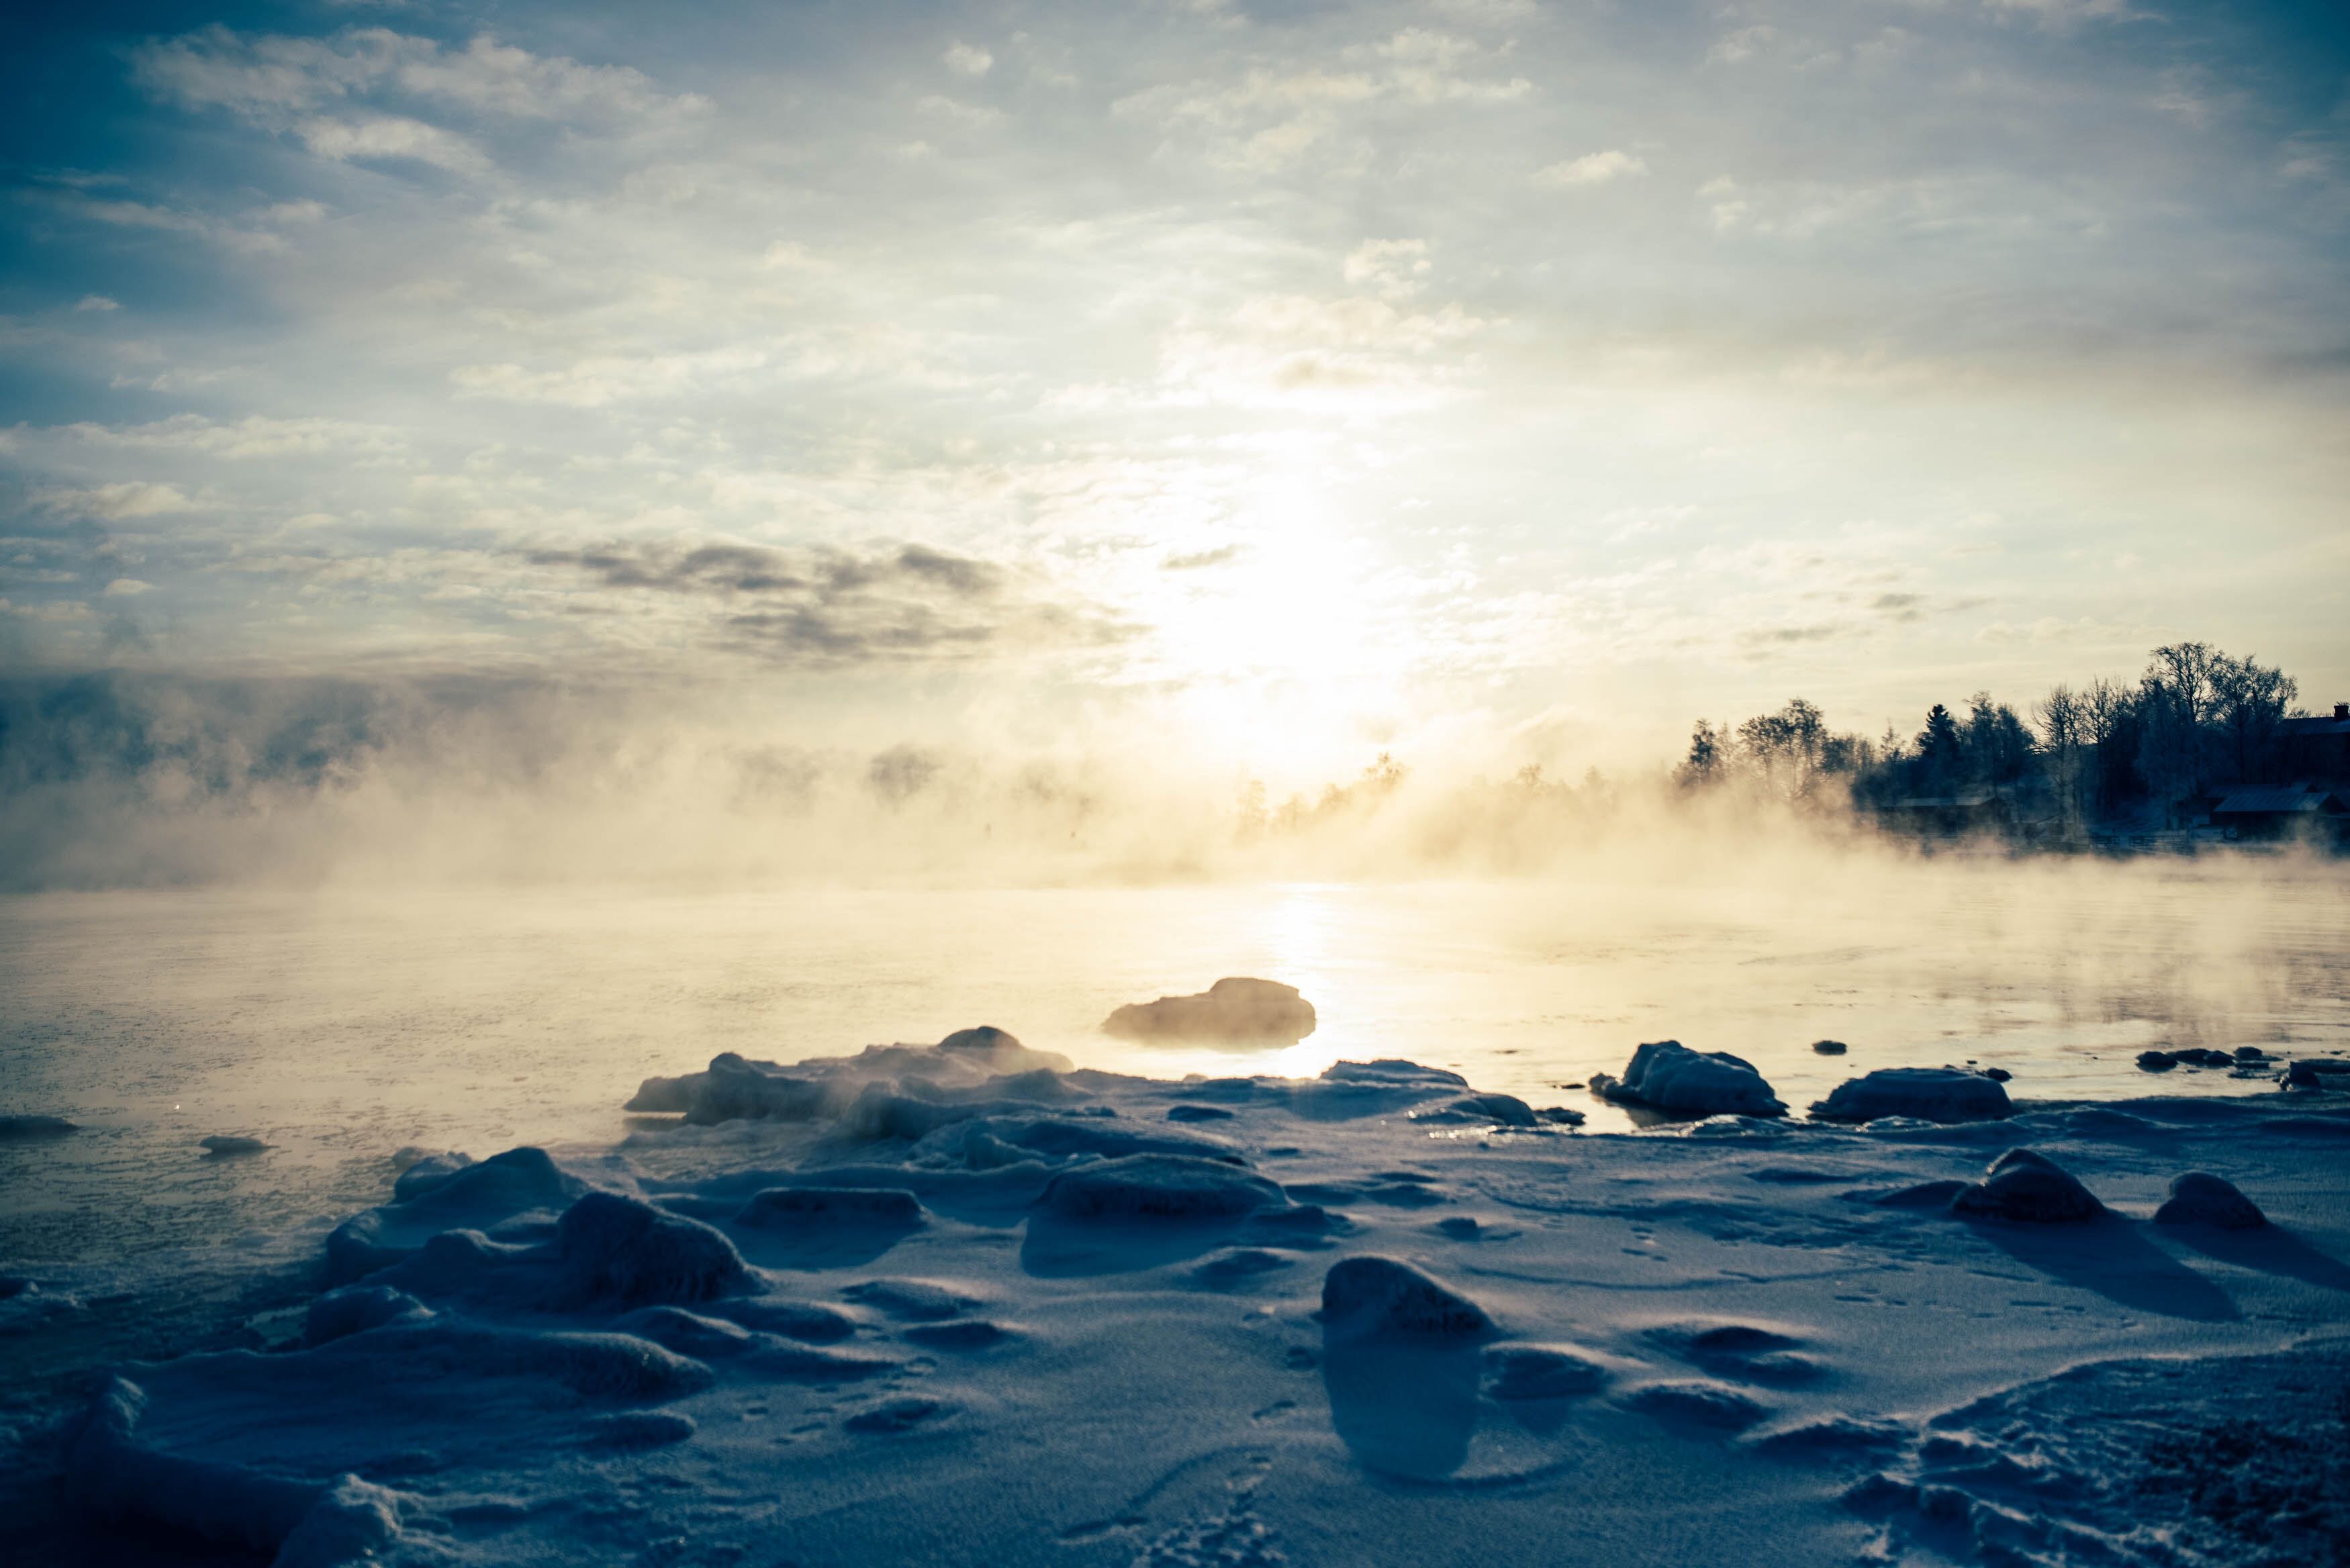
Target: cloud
x=126, y=588
x=96, y=302
x=125, y=499
x=836, y=607
x=1591, y=169
x=968, y=59
x=1222, y=555
x=256, y=435
x=392, y=136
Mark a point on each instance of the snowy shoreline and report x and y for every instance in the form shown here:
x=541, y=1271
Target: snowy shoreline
x=963, y=1303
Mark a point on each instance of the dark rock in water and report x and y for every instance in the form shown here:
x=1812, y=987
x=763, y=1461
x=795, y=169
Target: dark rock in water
x=619, y=1248
x=1996, y=1075
x=1158, y=1186
x=1943, y=1095
x=1667, y=1075
x=1561, y=1116
x=224, y=1144
x=2156, y=1061
x=2196, y=1056
x=14, y=1129
x=1391, y=1070
x=2028, y=1186
x=1371, y=1297
x=1515, y=1372
x=1232, y=1009
x=1829, y=1047
x=2251, y=1053
x=2318, y=1072
x=786, y=1206
x=2200, y=1198
x=1198, y=1114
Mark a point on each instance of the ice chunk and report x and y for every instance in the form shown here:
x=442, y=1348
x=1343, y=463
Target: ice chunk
x=2200, y=1198
x=1669, y=1076
x=621, y=1249
x=1232, y=1009
x=2025, y=1186
x=1371, y=1297
x=1158, y=1186
x=1829, y=1047
x=1942, y=1094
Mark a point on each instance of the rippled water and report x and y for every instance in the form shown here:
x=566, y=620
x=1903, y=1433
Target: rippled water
x=341, y=1029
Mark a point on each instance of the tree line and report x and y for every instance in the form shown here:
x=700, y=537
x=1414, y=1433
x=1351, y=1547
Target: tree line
x=2196, y=720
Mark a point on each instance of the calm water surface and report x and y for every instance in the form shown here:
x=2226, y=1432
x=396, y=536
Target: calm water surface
x=341, y=1029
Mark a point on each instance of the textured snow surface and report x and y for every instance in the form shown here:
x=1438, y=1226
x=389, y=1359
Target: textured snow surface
x=954, y=1306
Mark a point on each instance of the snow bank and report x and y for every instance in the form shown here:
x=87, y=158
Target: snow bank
x=1667, y=1075
x=966, y=1315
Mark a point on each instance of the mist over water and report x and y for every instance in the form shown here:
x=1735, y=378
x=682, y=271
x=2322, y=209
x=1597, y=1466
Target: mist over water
x=341, y=1027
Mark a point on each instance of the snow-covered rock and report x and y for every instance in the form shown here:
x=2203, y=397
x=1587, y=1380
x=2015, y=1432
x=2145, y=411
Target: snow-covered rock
x=1669, y=1076
x=2029, y=1187
x=1371, y=1297
x=1941, y=1095
x=2200, y=1198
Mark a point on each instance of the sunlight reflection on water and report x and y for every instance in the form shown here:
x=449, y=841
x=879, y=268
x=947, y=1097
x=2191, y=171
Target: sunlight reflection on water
x=341, y=1029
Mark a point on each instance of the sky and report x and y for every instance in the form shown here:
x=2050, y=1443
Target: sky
x=1267, y=384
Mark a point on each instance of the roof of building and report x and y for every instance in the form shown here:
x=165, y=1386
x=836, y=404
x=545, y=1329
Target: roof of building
x=2323, y=724
x=2266, y=801
x=1963, y=800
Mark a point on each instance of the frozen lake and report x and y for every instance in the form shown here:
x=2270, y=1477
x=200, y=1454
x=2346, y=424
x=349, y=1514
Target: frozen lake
x=341, y=1029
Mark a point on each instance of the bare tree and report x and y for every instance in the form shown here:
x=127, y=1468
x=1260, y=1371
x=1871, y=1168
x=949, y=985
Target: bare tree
x=2064, y=721
x=2249, y=702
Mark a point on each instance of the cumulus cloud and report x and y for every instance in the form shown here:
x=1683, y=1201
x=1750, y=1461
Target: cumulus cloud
x=1591, y=169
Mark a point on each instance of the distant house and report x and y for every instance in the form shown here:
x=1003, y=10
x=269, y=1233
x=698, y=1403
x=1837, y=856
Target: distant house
x=2316, y=748
x=2291, y=811
x=1964, y=811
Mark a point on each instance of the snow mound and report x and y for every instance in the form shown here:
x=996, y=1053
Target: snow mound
x=1158, y=1186
x=1696, y=1404
x=1941, y=1095
x=1515, y=1372
x=1232, y=1009
x=2023, y=1186
x=354, y=1309
x=1198, y=1114
x=1393, y=1071
x=1667, y=1075
x=884, y=1206
x=521, y=1186
x=1489, y=1110
x=1371, y=1297
x=2200, y=1198
x=624, y=1249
